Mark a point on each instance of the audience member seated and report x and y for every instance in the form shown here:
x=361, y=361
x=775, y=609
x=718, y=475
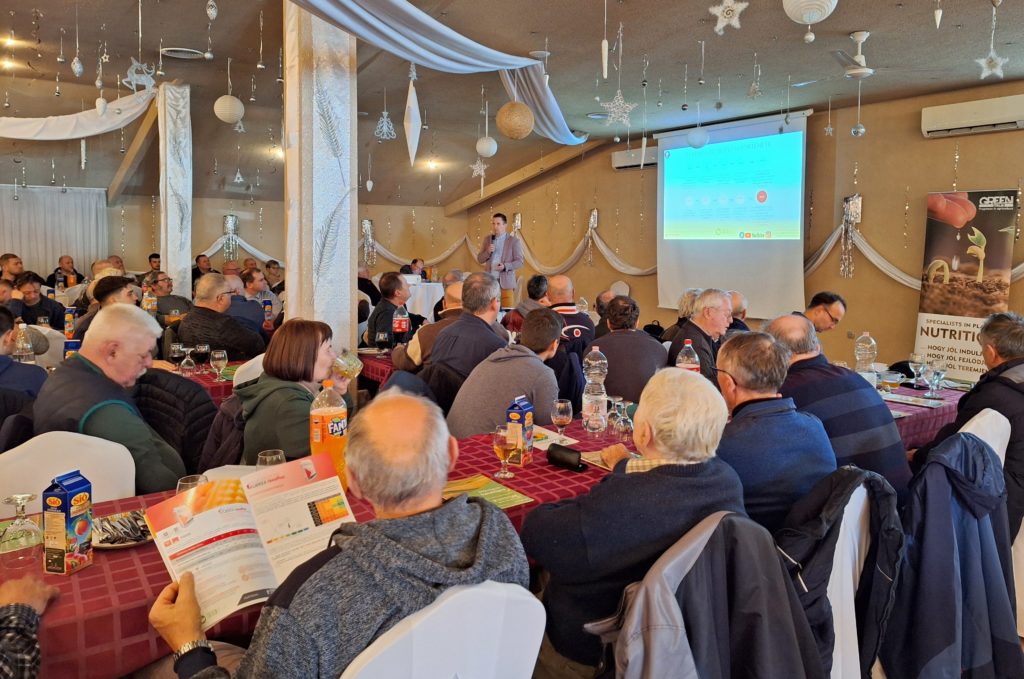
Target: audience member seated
x=633, y=355
x=778, y=452
x=154, y=266
x=231, y=268
x=257, y=290
x=739, y=312
x=712, y=313
x=201, y=268
x=208, y=322
x=275, y=277
x=518, y=370
x=65, y=274
x=33, y=305
x=162, y=286
x=373, y=574
x=473, y=336
x=453, y=276
x=22, y=603
x=825, y=311
x=249, y=314
x=106, y=291
x=276, y=406
x=395, y=292
x=593, y=545
x=686, y=302
x=414, y=268
x=601, y=307
x=366, y=285
x=117, y=263
x=250, y=263
x=857, y=421
x=578, y=332
x=412, y=356
x=88, y=394
x=6, y=291
x=22, y=377
x=11, y=266
x=1001, y=388
x=536, y=298
x=96, y=267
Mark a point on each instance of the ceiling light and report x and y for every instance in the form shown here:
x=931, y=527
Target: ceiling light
x=7, y=64
x=432, y=164
x=10, y=40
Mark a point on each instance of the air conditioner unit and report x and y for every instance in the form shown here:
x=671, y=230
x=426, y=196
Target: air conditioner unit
x=973, y=117
x=627, y=160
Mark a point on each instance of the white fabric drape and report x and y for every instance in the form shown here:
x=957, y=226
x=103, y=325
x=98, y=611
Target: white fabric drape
x=812, y=263
x=251, y=249
x=88, y=123
x=398, y=27
x=562, y=267
x=175, y=124
x=617, y=263
x=45, y=223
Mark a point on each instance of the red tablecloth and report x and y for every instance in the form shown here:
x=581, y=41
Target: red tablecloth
x=922, y=424
x=218, y=390
x=377, y=368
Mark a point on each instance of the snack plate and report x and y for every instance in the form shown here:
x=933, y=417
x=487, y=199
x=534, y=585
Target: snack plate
x=120, y=531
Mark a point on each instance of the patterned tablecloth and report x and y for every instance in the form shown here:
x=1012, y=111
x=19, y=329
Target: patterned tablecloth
x=218, y=390
x=377, y=368
x=98, y=626
x=922, y=424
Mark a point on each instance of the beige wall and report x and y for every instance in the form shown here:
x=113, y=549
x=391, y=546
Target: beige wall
x=433, y=234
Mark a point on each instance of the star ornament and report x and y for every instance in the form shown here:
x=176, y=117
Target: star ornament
x=479, y=168
x=991, y=64
x=618, y=109
x=728, y=14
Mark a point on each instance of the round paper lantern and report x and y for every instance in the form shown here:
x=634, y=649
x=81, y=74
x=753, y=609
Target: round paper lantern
x=229, y=109
x=697, y=137
x=808, y=12
x=515, y=120
x=486, y=146
x=101, y=105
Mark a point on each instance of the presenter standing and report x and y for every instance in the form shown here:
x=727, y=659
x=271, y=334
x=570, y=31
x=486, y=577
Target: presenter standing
x=502, y=255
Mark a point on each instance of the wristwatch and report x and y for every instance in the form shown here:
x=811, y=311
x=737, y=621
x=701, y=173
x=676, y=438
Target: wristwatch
x=191, y=646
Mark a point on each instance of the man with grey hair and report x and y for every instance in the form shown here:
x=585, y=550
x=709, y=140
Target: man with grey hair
x=88, y=394
x=855, y=417
x=453, y=276
x=712, y=314
x=778, y=452
x=208, y=323
x=686, y=302
x=374, y=574
x=472, y=338
x=593, y=545
x=739, y=313
x=1001, y=388
x=162, y=286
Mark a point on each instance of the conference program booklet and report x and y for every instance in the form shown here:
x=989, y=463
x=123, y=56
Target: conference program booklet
x=241, y=538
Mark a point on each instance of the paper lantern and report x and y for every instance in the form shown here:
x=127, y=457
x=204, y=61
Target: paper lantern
x=486, y=146
x=101, y=105
x=808, y=12
x=515, y=120
x=229, y=109
x=697, y=137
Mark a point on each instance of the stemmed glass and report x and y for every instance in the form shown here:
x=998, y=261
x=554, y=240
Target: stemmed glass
x=202, y=357
x=916, y=364
x=613, y=411
x=504, y=446
x=561, y=415
x=21, y=544
x=268, y=458
x=383, y=342
x=176, y=355
x=188, y=366
x=219, y=361
x=624, y=425
x=936, y=373
x=187, y=483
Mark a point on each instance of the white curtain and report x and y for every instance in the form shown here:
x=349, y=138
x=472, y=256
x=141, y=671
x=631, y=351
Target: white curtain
x=45, y=223
x=88, y=123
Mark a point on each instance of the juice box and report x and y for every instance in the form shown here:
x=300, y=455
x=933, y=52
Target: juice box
x=71, y=347
x=519, y=417
x=69, y=322
x=268, y=310
x=67, y=524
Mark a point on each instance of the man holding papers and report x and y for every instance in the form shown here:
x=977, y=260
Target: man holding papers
x=372, y=575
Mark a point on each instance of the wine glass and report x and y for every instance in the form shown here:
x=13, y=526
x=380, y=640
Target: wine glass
x=268, y=458
x=561, y=414
x=624, y=425
x=613, y=411
x=188, y=365
x=21, y=544
x=187, y=483
x=176, y=355
x=916, y=364
x=383, y=341
x=937, y=373
x=582, y=305
x=219, y=361
x=504, y=447
x=595, y=420
x=202, y=357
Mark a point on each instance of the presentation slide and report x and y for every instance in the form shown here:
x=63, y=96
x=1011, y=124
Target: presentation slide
x=746, y=189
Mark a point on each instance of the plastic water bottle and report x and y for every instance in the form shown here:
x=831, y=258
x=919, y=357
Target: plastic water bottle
x=865, y=350
x=687, y=358
x=23, y=352
x=328, y=427
x=595, y=398
x=399, y=325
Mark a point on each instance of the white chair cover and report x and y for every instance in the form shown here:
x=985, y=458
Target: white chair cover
x=55, y=354
x=249, y=370
x=74, y=292
x=847, y=564
x=619, y=288
x=667, y=345
x=31, y=467
x=499, y=627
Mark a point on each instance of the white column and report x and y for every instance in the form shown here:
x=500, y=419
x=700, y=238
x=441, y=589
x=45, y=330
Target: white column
x=175, y=121
x=320, y=173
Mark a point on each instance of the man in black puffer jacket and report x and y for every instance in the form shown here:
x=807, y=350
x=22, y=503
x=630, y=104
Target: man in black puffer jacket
x=1001, y=389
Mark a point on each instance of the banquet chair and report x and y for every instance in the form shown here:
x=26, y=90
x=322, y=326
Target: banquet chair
x=54, y=355
x=32, y=466
x=249, y=370
x=500, y=627
x=15, y=430
x=74, y=292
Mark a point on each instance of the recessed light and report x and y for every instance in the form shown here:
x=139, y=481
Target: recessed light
x=598, y=115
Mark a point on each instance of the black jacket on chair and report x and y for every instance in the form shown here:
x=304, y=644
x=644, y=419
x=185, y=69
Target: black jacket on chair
x=226, y=441
x=178, y=409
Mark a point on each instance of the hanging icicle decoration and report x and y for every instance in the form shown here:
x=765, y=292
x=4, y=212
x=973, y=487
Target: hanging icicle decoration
x=252, y=95
x=280, y=66
x=369, y=242
x=604, y=44
x=259, y=64
x=851, y=217
x=16, y=197
x=82, y=156
x=53, y=172
x=77, y=67
x=123, y=245
x=588, y=257
x=700, y=80
x=122, y=149
x=259, y=221
x=906, y=218
x=152, y=223
x=160, y=60
x=63, y=184
x=60, y=57
x=686, y=83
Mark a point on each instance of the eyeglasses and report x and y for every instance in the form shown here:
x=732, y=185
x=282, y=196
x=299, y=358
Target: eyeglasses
x=162, y=280
x=731, y=376
x=835, y=321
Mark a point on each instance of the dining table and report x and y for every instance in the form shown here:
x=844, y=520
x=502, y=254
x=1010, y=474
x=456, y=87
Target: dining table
x=377, y=367
x=218, y=391
x=919, y=424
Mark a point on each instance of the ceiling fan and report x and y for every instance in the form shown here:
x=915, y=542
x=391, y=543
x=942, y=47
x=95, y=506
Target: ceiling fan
x=854, y=68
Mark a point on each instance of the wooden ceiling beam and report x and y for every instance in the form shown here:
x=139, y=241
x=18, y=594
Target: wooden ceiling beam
x=145, y=135
x=523, y=174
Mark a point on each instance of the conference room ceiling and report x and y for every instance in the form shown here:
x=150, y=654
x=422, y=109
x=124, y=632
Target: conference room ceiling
x=910, y=56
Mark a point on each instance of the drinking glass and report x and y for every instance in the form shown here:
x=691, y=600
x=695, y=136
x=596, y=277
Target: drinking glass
x=504, y=447
x=176, y=355
x=582, y=305
x=202, y=357
x=624, y=425
x=42, y=321
x=268, y=458
x=937, y=373
x=21, y=544
x=188, y=366
x=594, y=421
x=187, y=483
x=383, y=341
x=613, y=411
x=347, y=364
x=219, y=361
x=890, y=380
x=916, y=364
x=561, y=414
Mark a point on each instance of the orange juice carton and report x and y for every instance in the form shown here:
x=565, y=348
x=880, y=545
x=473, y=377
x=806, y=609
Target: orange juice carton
x=519, y=417
x=67, y=524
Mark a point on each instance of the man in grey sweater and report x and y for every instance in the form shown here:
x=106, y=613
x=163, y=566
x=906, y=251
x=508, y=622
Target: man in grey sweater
x=371, y=575
x=509, y=372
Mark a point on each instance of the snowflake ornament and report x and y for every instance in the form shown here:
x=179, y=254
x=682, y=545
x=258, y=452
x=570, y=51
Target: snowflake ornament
x=728, y=14
x=618, y=109
x=991, y=64
x=479, y=170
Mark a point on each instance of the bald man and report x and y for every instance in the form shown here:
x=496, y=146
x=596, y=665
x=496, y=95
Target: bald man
x=413, y=355
x=578, y=332
x=208, y=323
x=373, y=574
